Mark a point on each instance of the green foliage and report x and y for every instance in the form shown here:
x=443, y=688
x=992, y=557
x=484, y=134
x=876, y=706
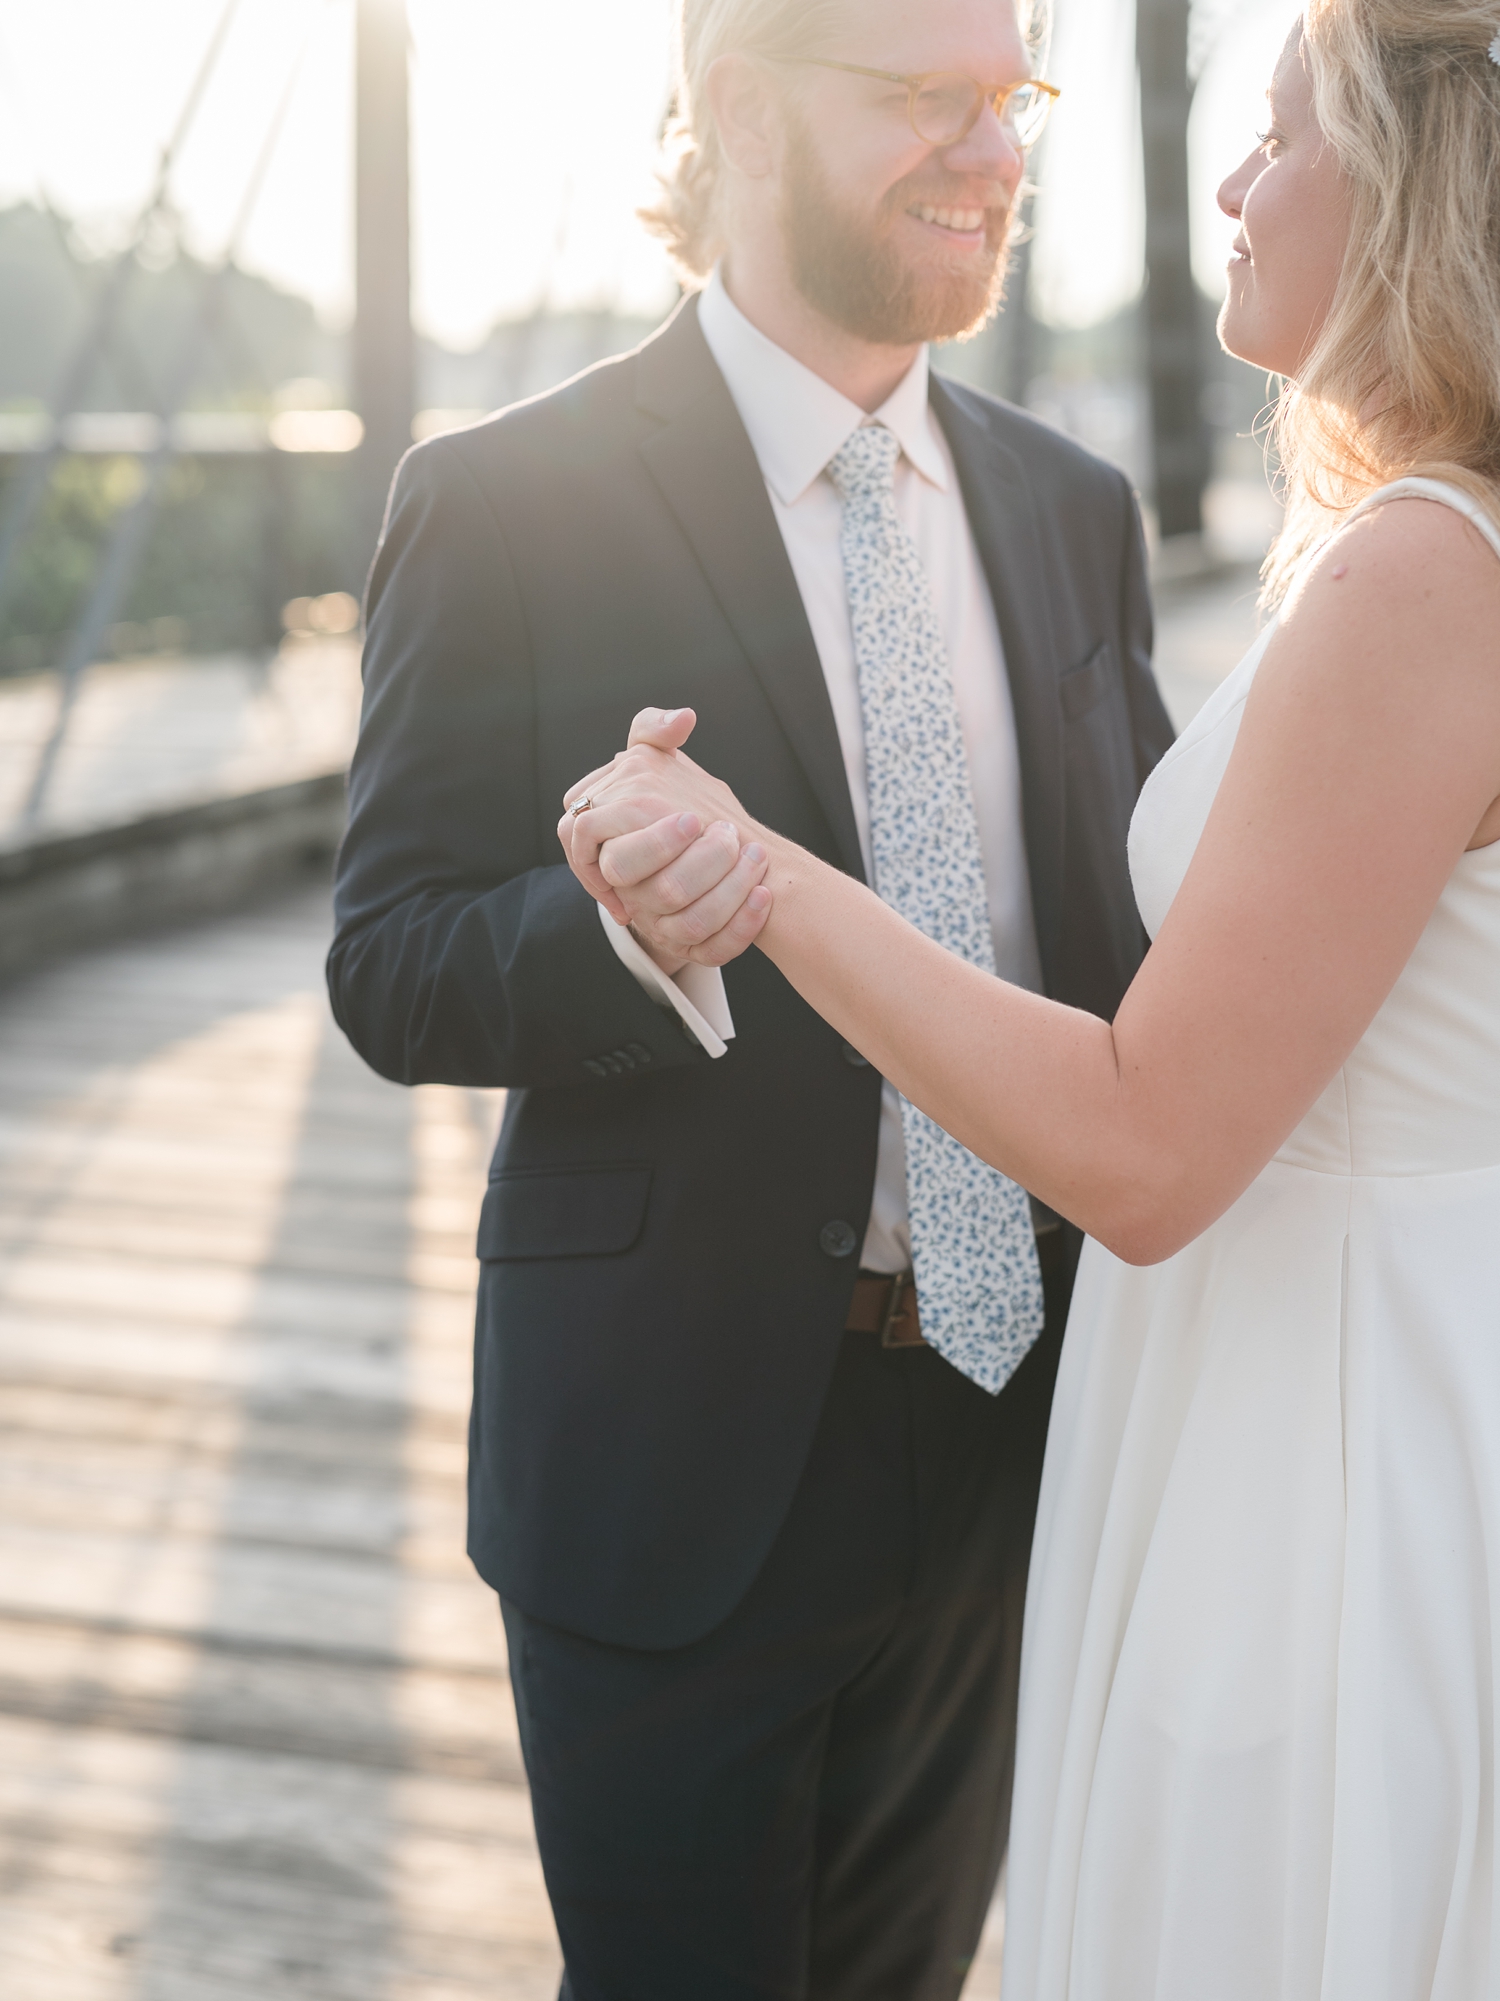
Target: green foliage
x=48, y=288
x=234, y=539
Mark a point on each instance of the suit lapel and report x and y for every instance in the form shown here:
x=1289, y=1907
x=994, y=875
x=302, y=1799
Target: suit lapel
x=702, y=461
x=1002, y=514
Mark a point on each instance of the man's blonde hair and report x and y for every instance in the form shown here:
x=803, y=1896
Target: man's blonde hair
x=687, y=212
x=1405, y=375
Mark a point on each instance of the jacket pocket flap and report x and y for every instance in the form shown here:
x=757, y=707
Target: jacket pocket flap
x=1086, y=685
x=564, y=1212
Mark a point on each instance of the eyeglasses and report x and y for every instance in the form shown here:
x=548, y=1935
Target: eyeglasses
x=944, y=107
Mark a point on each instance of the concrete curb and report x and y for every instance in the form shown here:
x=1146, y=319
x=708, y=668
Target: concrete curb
x=69, y=891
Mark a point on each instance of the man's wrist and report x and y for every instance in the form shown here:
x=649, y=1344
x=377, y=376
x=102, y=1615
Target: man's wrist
x=695, y=995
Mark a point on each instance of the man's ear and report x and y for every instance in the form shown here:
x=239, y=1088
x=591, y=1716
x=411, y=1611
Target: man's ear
x=746, y=111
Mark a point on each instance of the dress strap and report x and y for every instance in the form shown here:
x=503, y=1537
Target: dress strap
x=1415, y=488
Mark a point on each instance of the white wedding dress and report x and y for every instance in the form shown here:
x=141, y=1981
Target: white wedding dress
x=1261, y=1677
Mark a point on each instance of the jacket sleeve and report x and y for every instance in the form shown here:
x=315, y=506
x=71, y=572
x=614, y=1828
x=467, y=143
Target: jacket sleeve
x=1150, y=726
x=463, y=953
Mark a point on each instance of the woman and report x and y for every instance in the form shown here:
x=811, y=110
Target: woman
x=1261, y=1690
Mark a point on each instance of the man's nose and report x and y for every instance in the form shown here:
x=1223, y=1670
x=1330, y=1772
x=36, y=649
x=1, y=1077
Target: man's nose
x=989, y=149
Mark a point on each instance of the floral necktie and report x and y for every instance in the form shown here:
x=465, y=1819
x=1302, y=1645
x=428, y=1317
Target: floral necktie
x=979, y=1287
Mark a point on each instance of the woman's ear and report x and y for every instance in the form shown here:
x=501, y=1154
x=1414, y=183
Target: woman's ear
x=742, y=98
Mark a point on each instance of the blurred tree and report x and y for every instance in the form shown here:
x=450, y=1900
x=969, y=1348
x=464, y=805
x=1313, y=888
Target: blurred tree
x=237, y=536
x=235, y=539
x=46, y=282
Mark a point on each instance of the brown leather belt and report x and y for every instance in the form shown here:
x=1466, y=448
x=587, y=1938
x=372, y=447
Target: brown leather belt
x=887, y=1304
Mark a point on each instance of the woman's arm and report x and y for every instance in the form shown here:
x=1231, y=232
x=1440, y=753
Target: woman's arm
x=1368, y=756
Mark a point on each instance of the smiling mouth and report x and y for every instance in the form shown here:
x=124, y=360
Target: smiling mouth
x=1239, y=251
x=957, y=221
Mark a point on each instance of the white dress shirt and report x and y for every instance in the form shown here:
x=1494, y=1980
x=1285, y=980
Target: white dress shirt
x=796, y=422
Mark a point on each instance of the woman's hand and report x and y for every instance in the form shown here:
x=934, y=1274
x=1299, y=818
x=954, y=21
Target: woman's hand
x=1356, y=784
x=668, y=849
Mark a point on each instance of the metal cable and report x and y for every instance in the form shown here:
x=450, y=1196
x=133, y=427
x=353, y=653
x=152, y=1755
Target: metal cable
x=32, y=486
x=130, y=532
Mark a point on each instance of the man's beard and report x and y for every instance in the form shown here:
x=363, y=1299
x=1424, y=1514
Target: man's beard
x=848, y=267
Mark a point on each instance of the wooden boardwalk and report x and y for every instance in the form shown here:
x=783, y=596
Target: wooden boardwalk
x=256, y=1737
x=255, y=1733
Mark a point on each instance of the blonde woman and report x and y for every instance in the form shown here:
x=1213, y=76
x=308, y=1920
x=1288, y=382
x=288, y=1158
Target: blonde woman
x=1261, y=1686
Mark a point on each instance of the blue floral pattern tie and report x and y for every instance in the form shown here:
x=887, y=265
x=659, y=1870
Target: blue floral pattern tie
x=979, y=1288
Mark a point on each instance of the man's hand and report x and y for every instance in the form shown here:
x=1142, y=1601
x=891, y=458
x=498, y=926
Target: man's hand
x=668, y=849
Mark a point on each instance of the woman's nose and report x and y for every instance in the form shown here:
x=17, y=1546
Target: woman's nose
x=1231, y=195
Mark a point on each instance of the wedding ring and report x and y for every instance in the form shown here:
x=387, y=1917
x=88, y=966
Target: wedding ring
x=583, y=806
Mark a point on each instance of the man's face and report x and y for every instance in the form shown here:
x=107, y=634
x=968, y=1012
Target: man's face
x=892, y=238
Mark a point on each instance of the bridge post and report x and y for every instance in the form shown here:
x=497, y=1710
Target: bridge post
x=383, y=350
x=1174, y=335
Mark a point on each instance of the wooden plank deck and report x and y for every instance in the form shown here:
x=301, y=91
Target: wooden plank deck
x=256, y=1736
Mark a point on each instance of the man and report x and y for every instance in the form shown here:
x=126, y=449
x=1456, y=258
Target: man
x=757, y=1512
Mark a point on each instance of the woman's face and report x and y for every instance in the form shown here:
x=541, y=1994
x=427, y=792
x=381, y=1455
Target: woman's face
x=1291, y=203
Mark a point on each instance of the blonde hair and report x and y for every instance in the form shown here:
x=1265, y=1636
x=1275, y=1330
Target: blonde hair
x=687, y=212
x=1405, y=374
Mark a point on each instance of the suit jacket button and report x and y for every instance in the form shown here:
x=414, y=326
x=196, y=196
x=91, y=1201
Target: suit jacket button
x=837, y=1239
x=852, y=1056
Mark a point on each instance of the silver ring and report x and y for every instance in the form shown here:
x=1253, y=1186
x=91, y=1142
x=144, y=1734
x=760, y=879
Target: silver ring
x=584, y=805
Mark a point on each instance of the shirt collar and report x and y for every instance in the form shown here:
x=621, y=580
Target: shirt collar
x=795, y=419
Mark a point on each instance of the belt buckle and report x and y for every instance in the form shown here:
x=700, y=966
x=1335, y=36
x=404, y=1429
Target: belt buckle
x=889, y=1337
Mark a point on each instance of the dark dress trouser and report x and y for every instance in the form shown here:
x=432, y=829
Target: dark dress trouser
x=811, y=1802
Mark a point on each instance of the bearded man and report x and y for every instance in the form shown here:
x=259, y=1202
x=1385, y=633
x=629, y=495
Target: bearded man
x=756, y=1500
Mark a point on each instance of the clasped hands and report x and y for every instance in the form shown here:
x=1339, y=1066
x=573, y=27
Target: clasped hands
x=668, y=849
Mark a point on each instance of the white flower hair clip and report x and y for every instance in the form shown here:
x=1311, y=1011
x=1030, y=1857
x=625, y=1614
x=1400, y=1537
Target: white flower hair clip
x=1493, y=51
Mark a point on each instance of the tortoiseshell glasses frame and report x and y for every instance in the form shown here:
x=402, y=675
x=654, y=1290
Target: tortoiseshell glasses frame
x=944, y=106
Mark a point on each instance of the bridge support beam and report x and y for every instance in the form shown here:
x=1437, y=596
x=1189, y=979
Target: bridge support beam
x=383, y=353
x=1174, y=334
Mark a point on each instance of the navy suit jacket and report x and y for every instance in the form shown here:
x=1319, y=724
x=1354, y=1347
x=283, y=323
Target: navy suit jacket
x=658, y=1314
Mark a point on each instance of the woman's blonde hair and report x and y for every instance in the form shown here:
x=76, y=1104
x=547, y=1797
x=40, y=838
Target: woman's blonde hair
x=687, y=211
x=1405, y=374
